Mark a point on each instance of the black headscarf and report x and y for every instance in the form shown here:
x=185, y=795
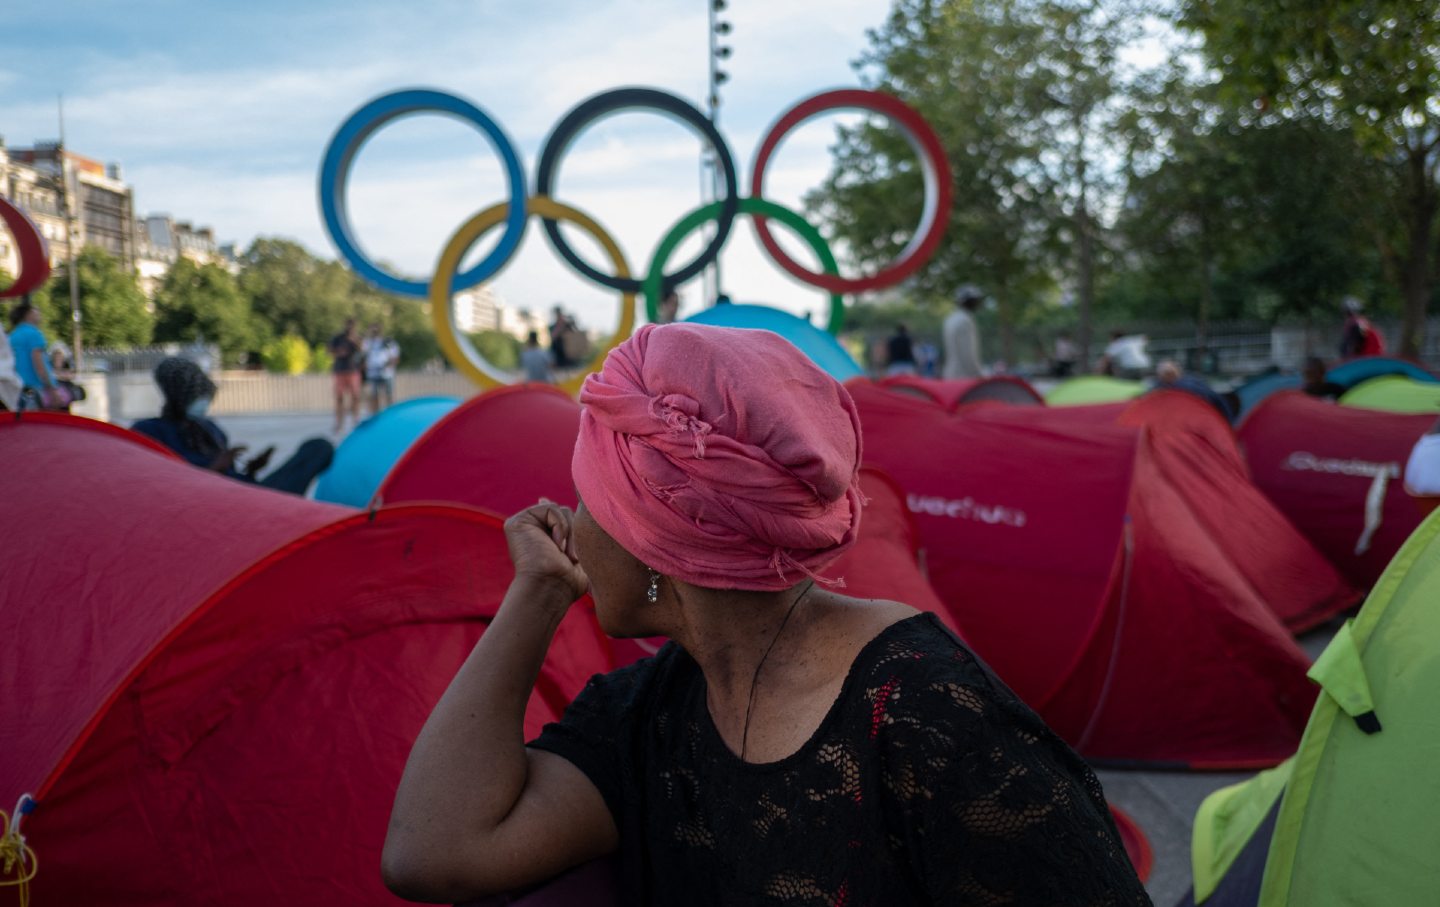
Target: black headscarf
x=182, y=382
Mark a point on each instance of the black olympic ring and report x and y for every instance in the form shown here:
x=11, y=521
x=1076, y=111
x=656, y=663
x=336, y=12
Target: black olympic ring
x=608, y=102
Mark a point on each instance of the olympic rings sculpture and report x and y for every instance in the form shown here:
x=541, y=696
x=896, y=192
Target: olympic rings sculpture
x=30, y=247
x=514, y=213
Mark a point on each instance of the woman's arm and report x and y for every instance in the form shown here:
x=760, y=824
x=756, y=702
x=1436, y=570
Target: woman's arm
x=476, y=811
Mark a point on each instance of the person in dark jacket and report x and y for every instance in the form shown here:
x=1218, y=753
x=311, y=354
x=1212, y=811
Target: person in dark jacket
x=184, y=426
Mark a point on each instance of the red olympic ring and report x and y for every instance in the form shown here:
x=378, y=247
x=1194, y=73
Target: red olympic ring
x=935, y=170
x=34, y=256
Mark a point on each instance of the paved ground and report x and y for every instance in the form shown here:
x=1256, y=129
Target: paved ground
x=285, y=432
x=1162, y=803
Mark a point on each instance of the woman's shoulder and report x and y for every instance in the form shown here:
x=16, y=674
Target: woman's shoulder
x=918, y=673
x=627, y=686
x=921, y=646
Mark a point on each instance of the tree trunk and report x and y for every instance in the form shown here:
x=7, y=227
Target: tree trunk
x=1415, y=271
x=1007, y=327
x=1085, y=277
x=1207, y=294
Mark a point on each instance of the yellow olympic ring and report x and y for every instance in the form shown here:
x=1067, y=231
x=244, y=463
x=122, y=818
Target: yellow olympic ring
x=458, y=348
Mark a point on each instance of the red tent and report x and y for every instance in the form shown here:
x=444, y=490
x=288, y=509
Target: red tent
x=1338, y=473
x=955, y=393
x=885, y=561
x=1196, y=450
x=212, y=687
x=1100, y=601
x=501, y=451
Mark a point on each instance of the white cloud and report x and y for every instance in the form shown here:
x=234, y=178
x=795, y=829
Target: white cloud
x=236, y=143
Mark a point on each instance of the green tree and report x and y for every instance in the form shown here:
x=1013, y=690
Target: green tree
x=113, y=311
x=1020, y=93
x=499, y=348
x=292, y=291
x=204, y=301
x=1368, y=67
x=320, y=359
x=414, y=333
x=1224, y=218
x=287, y=355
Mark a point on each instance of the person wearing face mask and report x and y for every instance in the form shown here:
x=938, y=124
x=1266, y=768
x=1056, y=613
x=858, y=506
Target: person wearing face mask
x=184, y=426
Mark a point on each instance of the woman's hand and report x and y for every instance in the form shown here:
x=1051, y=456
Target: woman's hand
x=542, y=548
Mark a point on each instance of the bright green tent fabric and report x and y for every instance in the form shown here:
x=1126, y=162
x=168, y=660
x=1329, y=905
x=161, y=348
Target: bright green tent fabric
x=1396, y=393
x=1093, y=389
x=1359, y=822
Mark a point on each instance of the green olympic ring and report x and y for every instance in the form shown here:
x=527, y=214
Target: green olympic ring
x=752, y=206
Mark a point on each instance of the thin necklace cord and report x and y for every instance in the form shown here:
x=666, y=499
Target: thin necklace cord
x=754, y=681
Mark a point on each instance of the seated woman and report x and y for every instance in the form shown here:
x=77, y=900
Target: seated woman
x=791, y=745
x=184, y=428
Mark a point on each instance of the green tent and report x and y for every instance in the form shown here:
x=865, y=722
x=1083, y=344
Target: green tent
x=1093, y=389
x=1398, y=394
x=1354, y=816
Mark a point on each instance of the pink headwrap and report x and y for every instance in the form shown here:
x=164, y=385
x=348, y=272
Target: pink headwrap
x=721, y=457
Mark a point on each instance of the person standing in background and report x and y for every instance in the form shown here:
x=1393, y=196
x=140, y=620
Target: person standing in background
x=534, y=362
x=39, y=389
x=1359, y=337
x=344, y=349
x=900, y=353
x=382, y=355
x=9, y=381
x=962, y=335
x=669, y=308
x=560, y=325
x=1067, y=354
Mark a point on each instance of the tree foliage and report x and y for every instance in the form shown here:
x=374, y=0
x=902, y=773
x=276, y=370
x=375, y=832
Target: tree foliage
x=204, y=302
x=1369, y=68
x=113, y=311
x=1296, y=168
x=288, y=354
x=1020, y=93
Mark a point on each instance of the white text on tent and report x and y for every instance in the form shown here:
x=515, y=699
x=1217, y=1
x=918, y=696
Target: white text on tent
x=966, y=509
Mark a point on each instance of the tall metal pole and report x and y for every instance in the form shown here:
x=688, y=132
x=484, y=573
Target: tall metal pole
x=709, y=165
x=72, y=266
x=707, y=160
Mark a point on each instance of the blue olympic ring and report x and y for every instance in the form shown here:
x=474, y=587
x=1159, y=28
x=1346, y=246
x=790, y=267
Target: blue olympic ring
x=365, y=122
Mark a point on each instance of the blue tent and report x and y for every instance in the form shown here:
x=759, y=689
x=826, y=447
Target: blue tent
x=1262, y=386
x=364, y=458
x=1348, y=374
x=822, y=348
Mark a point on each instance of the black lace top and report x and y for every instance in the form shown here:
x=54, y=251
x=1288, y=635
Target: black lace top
x=927, y=783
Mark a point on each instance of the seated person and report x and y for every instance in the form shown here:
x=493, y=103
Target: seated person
x=184, y=428
x=1316, y=384
x=1422, y=473
x=790, y=745
x=1170, y=375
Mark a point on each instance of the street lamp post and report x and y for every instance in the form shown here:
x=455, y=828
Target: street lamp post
x=72, y=266
x=709, y=165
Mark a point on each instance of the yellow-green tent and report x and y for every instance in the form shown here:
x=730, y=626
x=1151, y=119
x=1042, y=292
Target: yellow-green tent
x=1398, y=394
x=1354, y=816
x=1093, y=389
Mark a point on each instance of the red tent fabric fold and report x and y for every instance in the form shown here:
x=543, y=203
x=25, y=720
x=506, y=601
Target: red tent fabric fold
x=215, y=686
x=500, y=450
x=1099, y=601
x=1199, y=456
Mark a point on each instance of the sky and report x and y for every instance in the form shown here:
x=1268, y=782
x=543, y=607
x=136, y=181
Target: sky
x=219, y=115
